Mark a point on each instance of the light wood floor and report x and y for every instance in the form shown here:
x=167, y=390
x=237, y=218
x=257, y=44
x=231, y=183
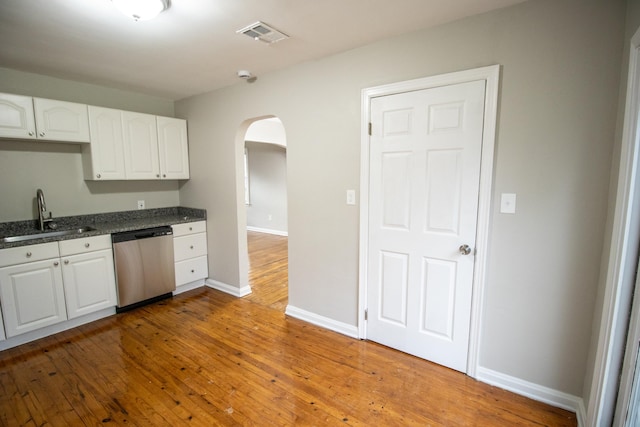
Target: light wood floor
x=268, y=269
x=204, y=358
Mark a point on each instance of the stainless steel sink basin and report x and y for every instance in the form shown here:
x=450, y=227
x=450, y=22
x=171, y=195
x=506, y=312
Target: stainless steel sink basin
x=53, y=233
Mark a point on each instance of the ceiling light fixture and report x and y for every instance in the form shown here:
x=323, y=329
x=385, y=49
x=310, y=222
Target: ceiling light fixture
x=141, y=10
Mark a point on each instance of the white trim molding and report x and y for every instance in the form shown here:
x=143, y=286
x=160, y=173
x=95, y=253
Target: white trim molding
x=491, y=75
x=228, y=289
x=534, y=391
x=54, y=329
x=621, y=265
x=324, y=322
x=189, y=287
x=268, y=231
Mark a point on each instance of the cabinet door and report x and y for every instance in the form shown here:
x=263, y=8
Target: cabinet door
x=173, y=148
x=141, y=146
x=61, y=121
x=16, y=116
x=89, y=282
x=107, y=144
x=32, y=296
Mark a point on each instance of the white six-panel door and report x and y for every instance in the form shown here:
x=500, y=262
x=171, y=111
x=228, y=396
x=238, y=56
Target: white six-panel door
x=425, y=153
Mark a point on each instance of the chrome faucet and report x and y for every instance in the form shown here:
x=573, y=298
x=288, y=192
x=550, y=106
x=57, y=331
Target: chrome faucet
x=43, y=218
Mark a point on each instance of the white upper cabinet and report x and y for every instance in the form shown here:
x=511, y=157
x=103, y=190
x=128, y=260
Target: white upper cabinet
x=46, y=119
x=140, y=146
x=103, y=159
x=173, y=148
x=61, y=121
x=16, y=116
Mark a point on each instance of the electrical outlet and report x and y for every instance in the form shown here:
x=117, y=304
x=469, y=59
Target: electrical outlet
x=140, y=204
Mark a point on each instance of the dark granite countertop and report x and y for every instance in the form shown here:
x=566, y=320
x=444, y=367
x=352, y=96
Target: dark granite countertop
x=105, y=223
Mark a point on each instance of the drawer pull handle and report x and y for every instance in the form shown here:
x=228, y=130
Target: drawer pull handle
x=86, y=245
x=29, y=254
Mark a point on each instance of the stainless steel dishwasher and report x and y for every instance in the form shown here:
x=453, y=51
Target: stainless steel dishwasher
x=144, y=265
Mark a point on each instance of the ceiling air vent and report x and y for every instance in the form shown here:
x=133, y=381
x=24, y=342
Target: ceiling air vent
x=263, y=32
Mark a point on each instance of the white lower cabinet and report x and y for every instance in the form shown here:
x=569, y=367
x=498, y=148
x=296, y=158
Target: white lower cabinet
x=190, y=270
x=190, y=253
x=41, y=285
x=32, y=296
x=88, y=274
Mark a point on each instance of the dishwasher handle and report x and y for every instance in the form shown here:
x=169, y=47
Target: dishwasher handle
x=146, y=233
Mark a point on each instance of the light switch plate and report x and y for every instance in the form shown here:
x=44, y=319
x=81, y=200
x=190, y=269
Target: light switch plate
x=508, y=203
x=351, y=197
x=140, y=204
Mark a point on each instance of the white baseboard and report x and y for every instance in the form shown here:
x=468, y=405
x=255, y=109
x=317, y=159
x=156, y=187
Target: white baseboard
x=188, y=287
x=534, y=391
x=325, y=322
x=268, y=231
x=228, y=289
x=54, y=329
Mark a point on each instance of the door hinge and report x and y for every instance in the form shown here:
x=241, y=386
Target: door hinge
x=369, y=128
x=366, y=314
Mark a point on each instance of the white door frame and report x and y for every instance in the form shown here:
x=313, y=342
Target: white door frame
x=491, y=75
x=622, y=263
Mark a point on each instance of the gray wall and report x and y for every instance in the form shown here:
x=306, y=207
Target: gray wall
x=268, y=186
x=559, y=91
x=57, y=168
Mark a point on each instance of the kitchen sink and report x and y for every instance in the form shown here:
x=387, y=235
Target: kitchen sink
x=44, y=234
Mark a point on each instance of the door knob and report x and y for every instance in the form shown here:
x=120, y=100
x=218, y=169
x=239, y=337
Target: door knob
x=464, y=249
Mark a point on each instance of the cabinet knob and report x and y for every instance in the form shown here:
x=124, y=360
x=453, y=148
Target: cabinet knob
x=98, y=176
x=55, y=263
x=86, y=245
x=190, y=228
x=66, y=261
x=164, y=175
x=31, y=133
x=29, y=254
x=41, y=133
x=191, y=247
x=157, y=175
x=193, y=271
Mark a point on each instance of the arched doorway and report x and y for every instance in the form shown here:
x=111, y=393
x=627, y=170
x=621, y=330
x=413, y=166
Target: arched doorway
x=265, y=209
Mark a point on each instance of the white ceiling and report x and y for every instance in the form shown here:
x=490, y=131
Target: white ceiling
x=193, y=47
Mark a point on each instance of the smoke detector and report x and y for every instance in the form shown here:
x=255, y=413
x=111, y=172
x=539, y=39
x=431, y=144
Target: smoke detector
x=263, y=32
x=247, y=75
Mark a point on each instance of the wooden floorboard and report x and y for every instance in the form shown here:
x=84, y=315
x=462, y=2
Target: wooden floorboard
x=268, y=269
x=205, y=358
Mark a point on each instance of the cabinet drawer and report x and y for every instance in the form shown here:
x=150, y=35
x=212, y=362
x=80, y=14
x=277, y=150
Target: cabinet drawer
x=85, y=244
x=190, y=246
x=189, y=228
x=30, y=253
x=191, y=270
